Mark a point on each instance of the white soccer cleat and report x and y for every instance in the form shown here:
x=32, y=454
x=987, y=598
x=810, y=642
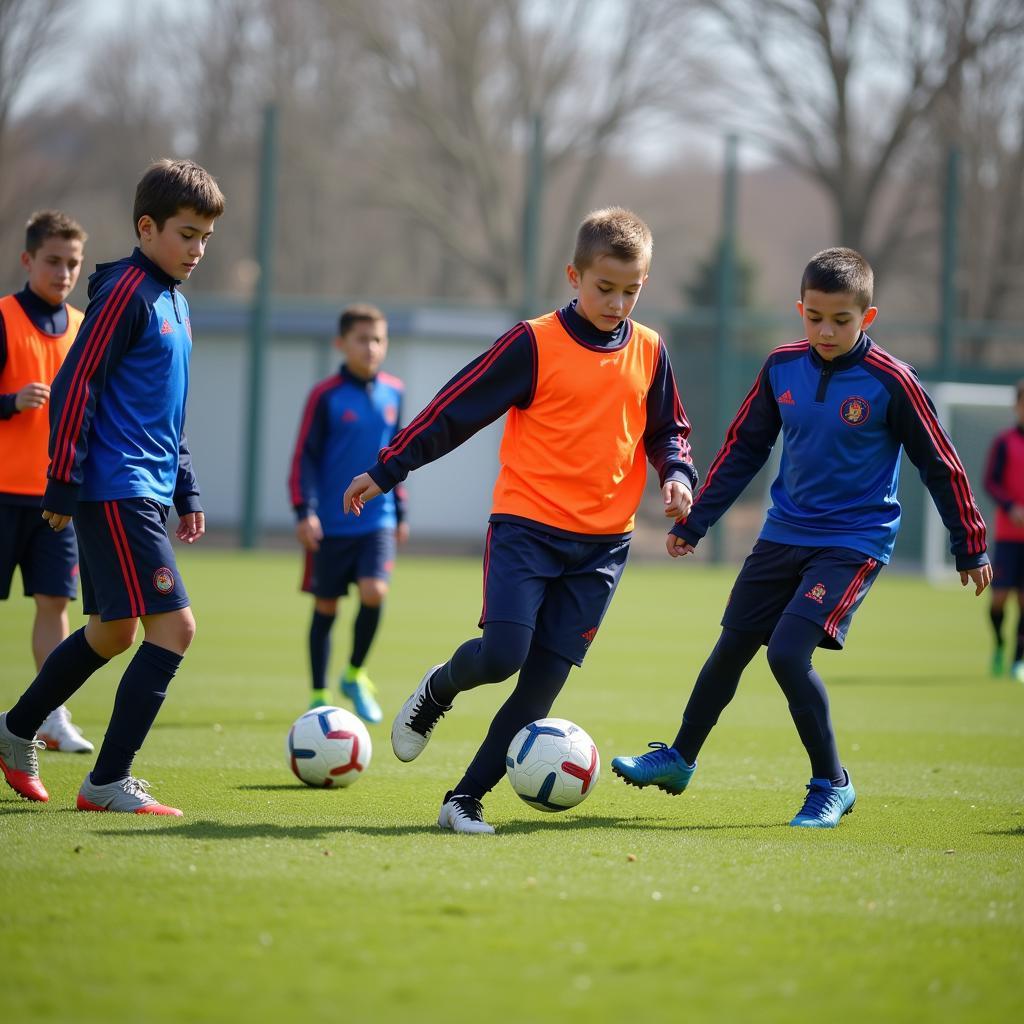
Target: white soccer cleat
x=58, y=733
x=462, y=813
x=411, y=729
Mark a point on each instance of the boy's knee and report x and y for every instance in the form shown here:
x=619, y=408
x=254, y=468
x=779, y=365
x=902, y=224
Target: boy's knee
x=783, y=660
x=372, y=592
x=51, y=606
x=498, y=663
x=109, y=639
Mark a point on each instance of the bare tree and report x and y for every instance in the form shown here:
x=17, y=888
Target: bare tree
x=844, y=91
x=459, y=84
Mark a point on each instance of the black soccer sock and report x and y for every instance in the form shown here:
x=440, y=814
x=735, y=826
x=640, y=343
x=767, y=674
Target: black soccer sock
x=363, y=632
x=140, y=695
x=491, y=658
x=997, y=618
x=68, y=666
x=715, y=687
x=540, y=681
x=319, y=648
x=793, y=642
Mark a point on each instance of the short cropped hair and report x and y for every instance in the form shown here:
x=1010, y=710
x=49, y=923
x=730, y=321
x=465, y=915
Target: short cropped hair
x=612, y=231
x=840, y=270
x=172, y=185
x=44, y=224
x=358, y=313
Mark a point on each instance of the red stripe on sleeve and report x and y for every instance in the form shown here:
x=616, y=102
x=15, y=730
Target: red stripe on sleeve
x=295, y=477
x=444, y=398
x=74, y=408
x=970, y=517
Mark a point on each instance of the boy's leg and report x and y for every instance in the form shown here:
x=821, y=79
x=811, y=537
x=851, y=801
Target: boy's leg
x=492, y=658
x=540, y=681
x=997, y=615
x=356, y=684
x=131, y=566
x=790, y=649
x=1018, y=658
x=50, y=629
x=519, y=562
x=324, y=613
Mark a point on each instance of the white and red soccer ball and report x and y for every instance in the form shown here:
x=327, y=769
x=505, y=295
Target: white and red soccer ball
x=328, y=747
x=552, y=764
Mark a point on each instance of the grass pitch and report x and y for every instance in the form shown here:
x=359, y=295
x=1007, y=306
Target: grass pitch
x=271, y=902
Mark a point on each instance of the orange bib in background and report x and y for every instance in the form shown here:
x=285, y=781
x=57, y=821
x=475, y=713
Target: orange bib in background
x=32, y=355
x=575, y=458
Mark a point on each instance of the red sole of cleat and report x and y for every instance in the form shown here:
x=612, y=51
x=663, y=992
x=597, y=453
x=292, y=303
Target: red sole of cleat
x=36, y=794
x=86, y=805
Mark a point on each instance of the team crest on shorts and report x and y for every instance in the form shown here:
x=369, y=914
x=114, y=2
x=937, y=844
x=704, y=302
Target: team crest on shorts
x=816, y=593
x=163, y=580
x=855, y=411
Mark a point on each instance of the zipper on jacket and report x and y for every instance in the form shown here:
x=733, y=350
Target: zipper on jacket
x=823, y=380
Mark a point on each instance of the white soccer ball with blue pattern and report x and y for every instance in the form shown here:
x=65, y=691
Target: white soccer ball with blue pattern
x=329, y=748
x=552, y=764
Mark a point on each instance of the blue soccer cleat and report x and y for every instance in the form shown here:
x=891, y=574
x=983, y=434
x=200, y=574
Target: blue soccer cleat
x=356, y=685
x=825, y=804
x=663, y=766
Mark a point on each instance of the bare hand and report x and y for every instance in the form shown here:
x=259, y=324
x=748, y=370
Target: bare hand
x=32, y=396
x=358, y=493
x=309, y=532
x=191, y=527
x=402, y=533
x=678, y=500
x=676, y=546
x=980, y=577
x=56, y=520
x=1017, y=515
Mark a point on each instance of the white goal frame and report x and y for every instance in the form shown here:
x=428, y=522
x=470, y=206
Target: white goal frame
x=947, y=396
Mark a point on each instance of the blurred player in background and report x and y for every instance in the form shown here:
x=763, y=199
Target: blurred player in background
x=37, y=328
x=347, y=420
x=1004, y=481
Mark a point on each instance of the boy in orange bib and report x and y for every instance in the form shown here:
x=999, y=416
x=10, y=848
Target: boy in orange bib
x=590, y=397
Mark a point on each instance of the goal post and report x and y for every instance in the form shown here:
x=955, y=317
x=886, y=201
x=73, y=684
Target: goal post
x=972, y=415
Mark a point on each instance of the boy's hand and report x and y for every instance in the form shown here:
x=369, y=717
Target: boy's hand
x=56, y=520
x=32, y=396
x=678, y=500
x=191, y=526
x=359, y=492
x=676, y=546
x=402, y=533
x=1017, y=515
x=980, y=577
x=310, y=532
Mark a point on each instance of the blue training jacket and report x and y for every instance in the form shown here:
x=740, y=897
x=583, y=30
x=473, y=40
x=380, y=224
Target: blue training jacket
x=843, y=426
x=117, y=405
x=345, y=422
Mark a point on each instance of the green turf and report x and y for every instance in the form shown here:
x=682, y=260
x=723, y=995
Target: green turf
x=270, y=901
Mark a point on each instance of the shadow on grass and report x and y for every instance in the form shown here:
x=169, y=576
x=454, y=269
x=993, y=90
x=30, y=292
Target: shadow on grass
x=18, y=808
x=1015, y=830
x=931, y=680
x=269, y=830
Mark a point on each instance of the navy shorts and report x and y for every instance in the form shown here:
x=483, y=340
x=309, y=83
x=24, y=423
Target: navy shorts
x=128, y=566
x=345, y=560
x=825, y=585
x=1008, y=565
x=559, y=587
x=48, y=560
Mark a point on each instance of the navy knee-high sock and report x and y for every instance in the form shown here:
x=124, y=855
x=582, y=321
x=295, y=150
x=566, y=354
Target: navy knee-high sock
x=363, y=632
x=715, y=687
x=68, y=666
x=540, y=681
x=997, y=615
x=319, y=648
x=790, y=649
x=491, y=658
x=140, y=695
